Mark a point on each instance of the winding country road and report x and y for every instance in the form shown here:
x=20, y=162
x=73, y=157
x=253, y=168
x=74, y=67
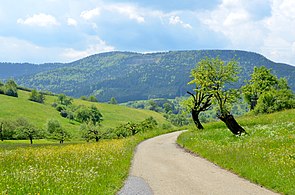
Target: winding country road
x=161, y=167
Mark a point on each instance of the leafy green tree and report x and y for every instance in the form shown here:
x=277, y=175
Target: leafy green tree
x=83, y=98
x=113, y=101
x=91, y=131
x=168, y=107
x=89, y=114
x=152, y=105
x=56, y=131
x=267, y=93
x=7, y=128
x=64, y=100
x=92, y=98
x=179, y=119
x=262, y=80
x=36, y=96
x=24, y=129
x=95, y=115
x=10, y=88
x=212, y=77
x=82, y=114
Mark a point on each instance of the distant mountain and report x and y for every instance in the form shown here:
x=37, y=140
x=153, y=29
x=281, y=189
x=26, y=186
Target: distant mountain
x=14, y=70
x=134, y=76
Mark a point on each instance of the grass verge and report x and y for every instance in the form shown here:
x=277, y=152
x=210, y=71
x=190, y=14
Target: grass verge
x=266, y=156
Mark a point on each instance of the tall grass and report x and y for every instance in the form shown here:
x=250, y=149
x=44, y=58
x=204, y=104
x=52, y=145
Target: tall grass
x=266, y=156
x=88, y=168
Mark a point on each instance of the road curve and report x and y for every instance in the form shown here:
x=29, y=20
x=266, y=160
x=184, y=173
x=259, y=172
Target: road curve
x=164, y=168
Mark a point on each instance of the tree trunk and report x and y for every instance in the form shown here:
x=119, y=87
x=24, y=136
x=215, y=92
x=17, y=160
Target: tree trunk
x=96, y=138
x=195, y=116
x=232, y=124
x=31, y=139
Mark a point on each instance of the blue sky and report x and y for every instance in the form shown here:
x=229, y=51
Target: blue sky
x=39, y=31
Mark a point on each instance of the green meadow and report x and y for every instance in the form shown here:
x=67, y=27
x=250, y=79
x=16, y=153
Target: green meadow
x=81, y=168
x=75, y=167
x=39, y=114
x=266, y=156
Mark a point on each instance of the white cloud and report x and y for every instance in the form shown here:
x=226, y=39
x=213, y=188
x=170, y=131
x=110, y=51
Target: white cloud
x=131, y=11
x=40, y=19
x=89, y=14
x=72, y=22
x=176, y=20
x=97, y=46
x=279, y=42
x=272, y=35
x=17, y=50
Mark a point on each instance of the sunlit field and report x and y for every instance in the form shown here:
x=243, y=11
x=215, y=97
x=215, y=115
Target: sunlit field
x=266, y=156
x=90, y=168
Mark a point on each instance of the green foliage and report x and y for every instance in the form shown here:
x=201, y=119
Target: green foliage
x=113, y=101
x=88, y=114
x=56, y=131
x=64, y=100
x=7, y=128
x=91, y=131
x=267, y=93
x=92, y=98
x=180, y=119
x=275, y=100
x=131, y=128
x=212, y=76
x=37, y=96
x=26, y=130
x=9, y=88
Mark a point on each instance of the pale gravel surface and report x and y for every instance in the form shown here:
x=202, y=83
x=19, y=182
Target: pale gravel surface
x=164, y=168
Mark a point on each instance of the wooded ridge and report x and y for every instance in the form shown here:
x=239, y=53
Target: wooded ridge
x=132, y=76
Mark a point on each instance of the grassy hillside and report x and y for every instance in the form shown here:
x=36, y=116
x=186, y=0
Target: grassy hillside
x=266, y=156
x=39, y=114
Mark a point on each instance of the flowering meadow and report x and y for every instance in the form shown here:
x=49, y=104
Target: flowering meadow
x=266, y=156
x=88, y=168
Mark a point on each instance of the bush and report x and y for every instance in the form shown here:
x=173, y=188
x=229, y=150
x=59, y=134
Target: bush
x=10, y=91
x=10, y=88
x=37, y=96
x=275, y=100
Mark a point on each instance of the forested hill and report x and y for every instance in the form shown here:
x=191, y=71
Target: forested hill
x=133, y=76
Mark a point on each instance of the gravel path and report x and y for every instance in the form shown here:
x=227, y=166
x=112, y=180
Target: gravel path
x=161, y=167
